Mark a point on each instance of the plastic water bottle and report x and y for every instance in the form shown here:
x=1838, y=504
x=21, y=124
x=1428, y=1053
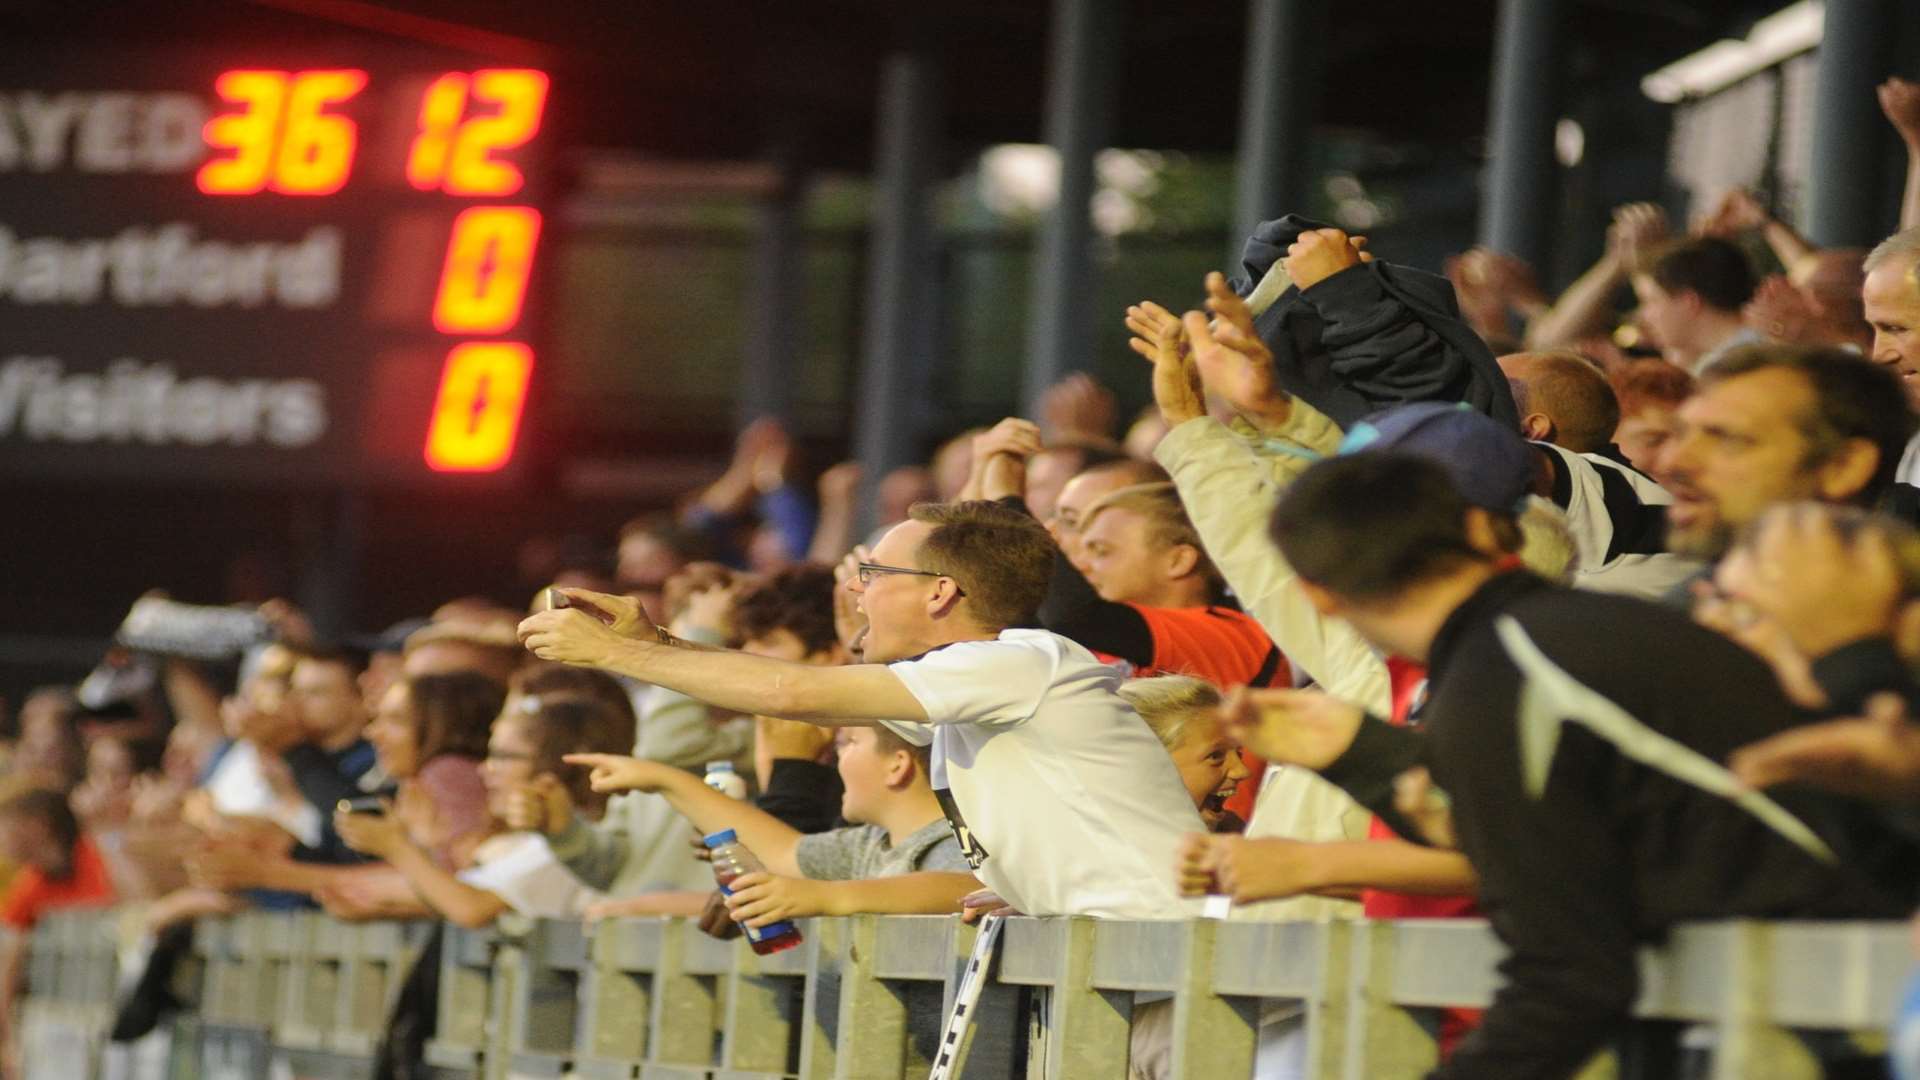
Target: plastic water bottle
x=721, y=778
x=731, y=859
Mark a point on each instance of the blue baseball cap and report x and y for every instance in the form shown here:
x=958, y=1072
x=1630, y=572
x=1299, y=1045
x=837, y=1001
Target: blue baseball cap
x=1490, y=464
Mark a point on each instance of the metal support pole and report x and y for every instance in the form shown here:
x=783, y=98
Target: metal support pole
x=771, y=364
x=1849, y=134
x=1083, y=58
x=1278, y=94
x=894, y=368
x=1517, y=217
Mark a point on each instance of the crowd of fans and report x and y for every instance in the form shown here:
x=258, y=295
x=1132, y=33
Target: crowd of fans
x=1413, y=596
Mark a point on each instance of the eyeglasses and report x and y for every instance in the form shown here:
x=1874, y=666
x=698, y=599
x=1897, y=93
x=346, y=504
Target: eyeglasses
x=868, y=569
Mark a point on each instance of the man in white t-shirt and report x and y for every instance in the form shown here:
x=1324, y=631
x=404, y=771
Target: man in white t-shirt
x=1063, y=799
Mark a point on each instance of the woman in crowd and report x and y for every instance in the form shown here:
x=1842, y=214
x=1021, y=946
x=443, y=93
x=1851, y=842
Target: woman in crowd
x=509, y=871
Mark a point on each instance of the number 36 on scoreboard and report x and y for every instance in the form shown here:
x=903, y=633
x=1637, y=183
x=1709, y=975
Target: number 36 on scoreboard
x=284, y=135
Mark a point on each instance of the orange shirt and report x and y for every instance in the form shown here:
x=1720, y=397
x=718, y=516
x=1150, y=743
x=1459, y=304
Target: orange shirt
x=1228, y=649
x=32, y=893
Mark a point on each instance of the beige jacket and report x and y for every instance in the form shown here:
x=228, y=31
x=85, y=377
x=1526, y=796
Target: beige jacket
x=1229, y=479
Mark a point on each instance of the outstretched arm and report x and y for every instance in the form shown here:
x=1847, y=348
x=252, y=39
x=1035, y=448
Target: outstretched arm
x=381, y=836
x=837, y=696
x=710, y=811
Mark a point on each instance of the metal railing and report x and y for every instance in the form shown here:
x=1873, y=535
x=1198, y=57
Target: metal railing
x=300, y=995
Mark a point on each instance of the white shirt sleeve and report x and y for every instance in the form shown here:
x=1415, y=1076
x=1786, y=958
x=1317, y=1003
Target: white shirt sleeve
x=531, y=881
x=994, y=683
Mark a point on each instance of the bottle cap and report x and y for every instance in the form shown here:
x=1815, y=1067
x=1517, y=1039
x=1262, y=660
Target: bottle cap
x=719, y=766
x=721, y=839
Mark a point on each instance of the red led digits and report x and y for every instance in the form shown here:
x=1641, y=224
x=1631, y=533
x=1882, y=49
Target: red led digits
x=281, y=136
x=453, y=151
x=466, y=118
x=476, y=416
x=484, y=282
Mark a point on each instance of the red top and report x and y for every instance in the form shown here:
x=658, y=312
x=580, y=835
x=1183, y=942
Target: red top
x=32, y=893
x=1409, y=682
x=1228, y=649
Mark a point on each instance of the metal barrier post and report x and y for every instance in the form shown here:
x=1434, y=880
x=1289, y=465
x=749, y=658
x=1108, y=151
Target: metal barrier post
x=1212, y=1035
x=375, y=961
x=1328, y=1005
x=685, y=1007
x=1750, y=1047
x=313, y=960
x=466, y=969
x=871, y=1035
x=617, y=1000
x=503, y=990
x=1383, y=1038
x=820, y=1005
x=545, y=1011
x=760, y=1035
x=1086, y=1029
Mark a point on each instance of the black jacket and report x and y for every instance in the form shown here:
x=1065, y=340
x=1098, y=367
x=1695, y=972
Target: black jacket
x=1370, y=337
x=1613, y=851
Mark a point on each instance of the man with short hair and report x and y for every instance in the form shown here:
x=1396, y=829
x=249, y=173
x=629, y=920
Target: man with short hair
x=1562, y=399
x=1773, y=423
x=1616, y=513
x=1690, y=297
x=1571, y=743
x=1025, y=725
x=1890, y=297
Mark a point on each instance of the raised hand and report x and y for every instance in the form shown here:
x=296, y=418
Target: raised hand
x=1637, y=229
x=623, y=615
x=1078, y=405
x=1232, y=360
x=378, y=835
x=571, y=636
x=1876, y=756
x=1307, y=728
x=1160, y=337
x=1900, y=101
x=616, y=772
x=1737, y=212
x=1318, y=254
x=840, y=484
x=1020, y=438
x=540, y=805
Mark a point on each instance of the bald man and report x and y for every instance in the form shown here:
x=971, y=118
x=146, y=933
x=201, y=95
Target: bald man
x=1617, y=514
x=1562, y=399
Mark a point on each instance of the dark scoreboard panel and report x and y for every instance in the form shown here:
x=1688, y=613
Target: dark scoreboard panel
x=297, y=264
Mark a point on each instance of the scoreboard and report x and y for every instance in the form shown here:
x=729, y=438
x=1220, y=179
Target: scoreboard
x=308, y=266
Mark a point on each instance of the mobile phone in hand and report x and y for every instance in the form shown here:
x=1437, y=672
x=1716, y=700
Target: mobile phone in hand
x=556, y=599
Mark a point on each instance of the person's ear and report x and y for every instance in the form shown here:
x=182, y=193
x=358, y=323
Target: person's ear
x=1181, y=560
x=1847, y=471
x=944, y=597
x=1323, y=601
x=1537, y=427
x=900, y=769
